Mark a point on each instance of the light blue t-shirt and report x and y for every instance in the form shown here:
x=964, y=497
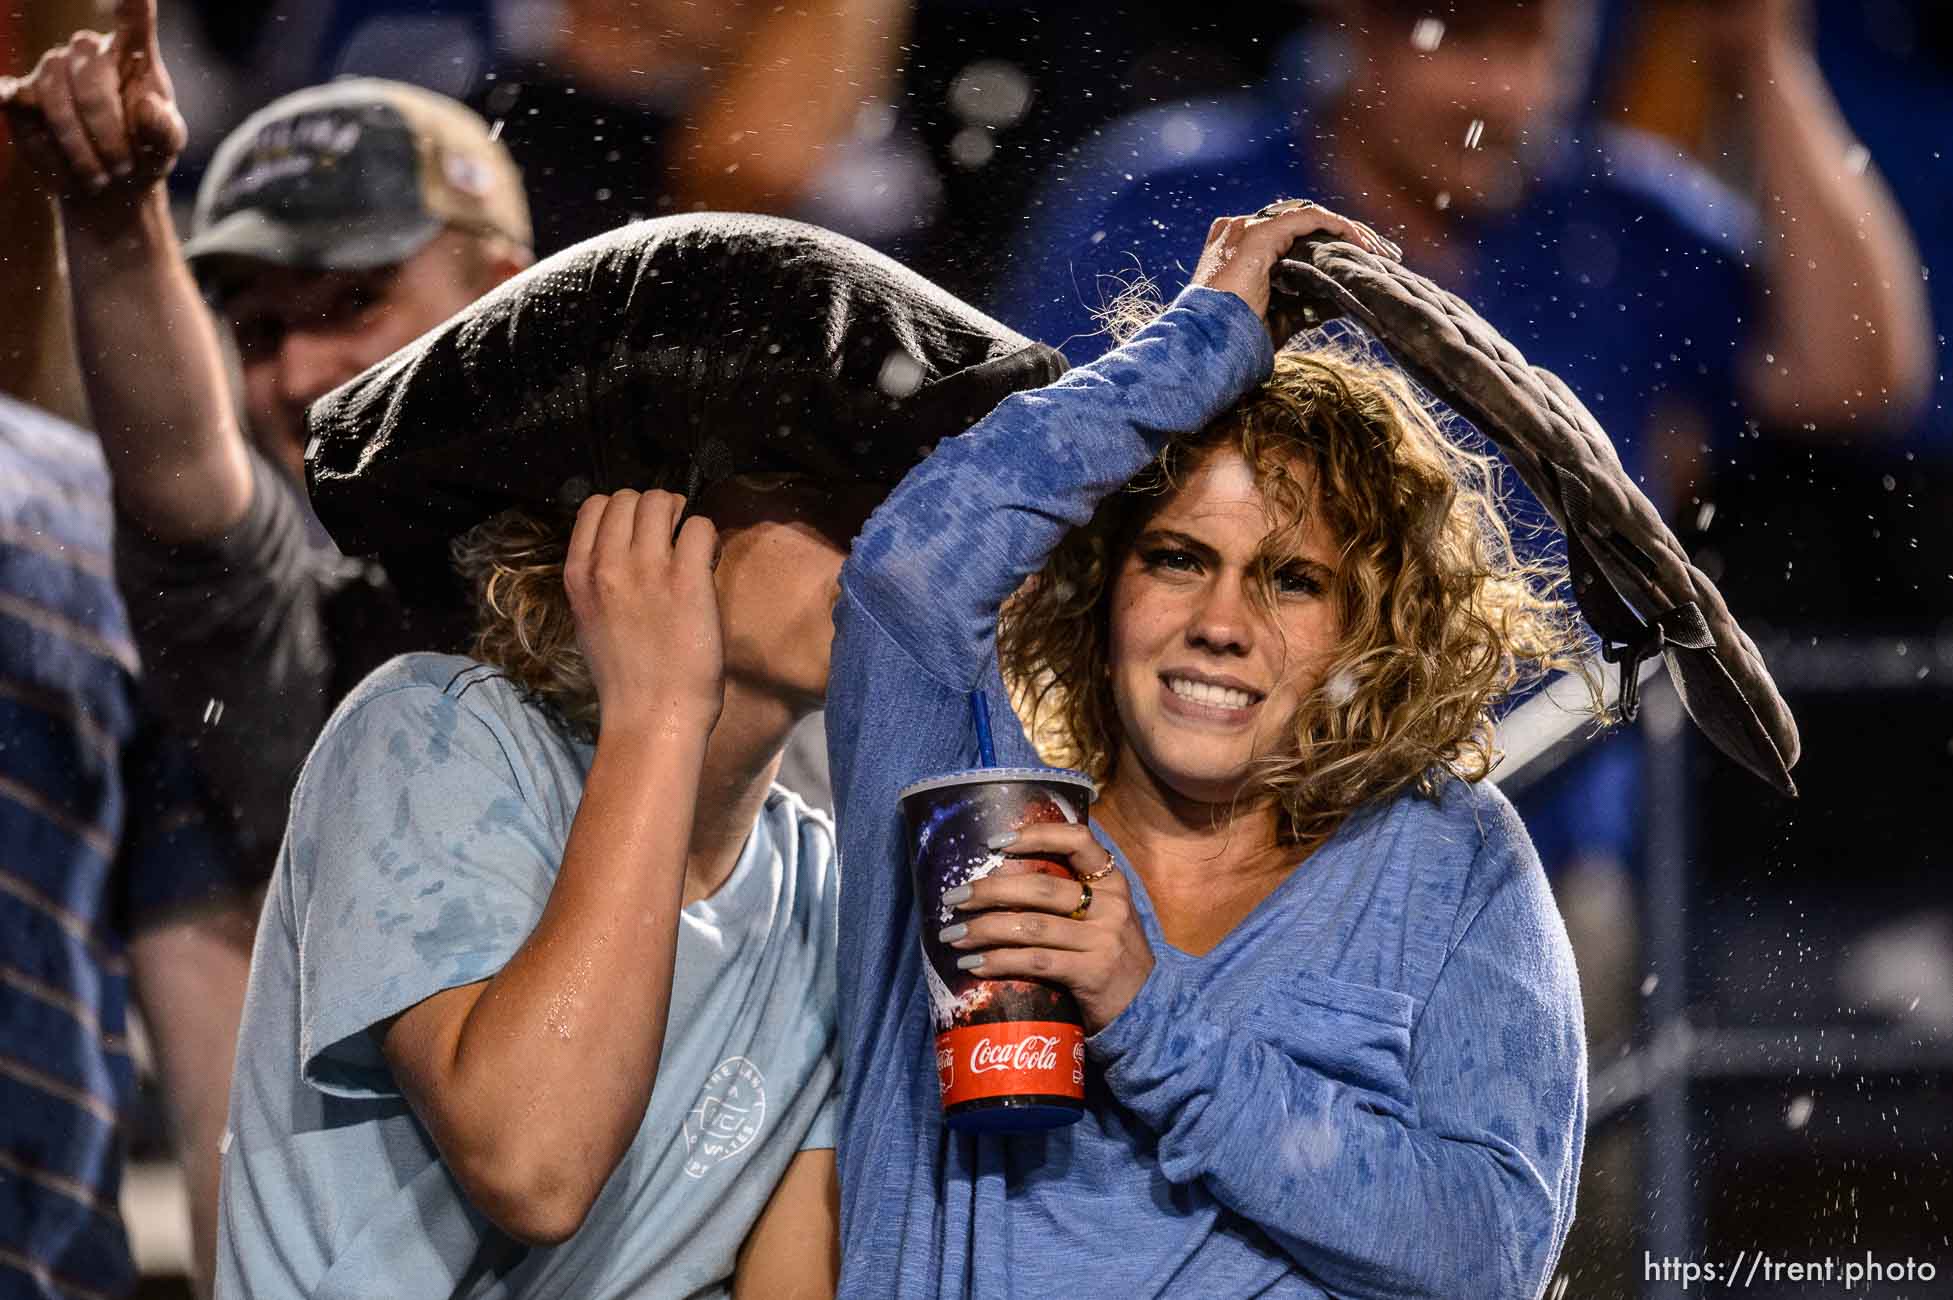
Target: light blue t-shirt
x=425, y=835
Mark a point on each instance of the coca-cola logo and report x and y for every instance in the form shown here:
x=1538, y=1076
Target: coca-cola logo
x=1032, y=1052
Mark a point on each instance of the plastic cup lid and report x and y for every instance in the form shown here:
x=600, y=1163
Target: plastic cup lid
x=978, y=775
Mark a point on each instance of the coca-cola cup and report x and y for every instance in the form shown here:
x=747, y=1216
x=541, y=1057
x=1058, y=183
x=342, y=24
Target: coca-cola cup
x=1010, y=1053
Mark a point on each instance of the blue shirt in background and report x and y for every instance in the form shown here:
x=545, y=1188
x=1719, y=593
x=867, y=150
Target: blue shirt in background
x=1622, y=271
x=102, y=832
x=1374, y=1085
x=425, y=837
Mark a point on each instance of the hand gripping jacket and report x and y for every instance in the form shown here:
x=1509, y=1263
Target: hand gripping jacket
x=1634, y=583
x=667, y=354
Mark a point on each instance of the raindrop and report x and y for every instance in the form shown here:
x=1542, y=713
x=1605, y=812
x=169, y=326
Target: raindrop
x=1705, y=515
x=901, y=374
x=213, y=712
x=1427, y=35
x=1857, y=159
x=990, y=93
x=1340, y=688
x=972, y=147
x=1181, y=136
x=875, y=122
x=1475, y=133
x=1799, y=1112
x=1443, y=200
x=1649, y=985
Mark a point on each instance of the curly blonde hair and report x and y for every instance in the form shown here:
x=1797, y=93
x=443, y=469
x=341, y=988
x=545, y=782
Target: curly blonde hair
x=1440, y=617
x=513, y=566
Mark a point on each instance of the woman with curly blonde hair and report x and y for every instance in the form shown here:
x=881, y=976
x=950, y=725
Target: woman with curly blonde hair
x=1437, y=616
x=1269, y=605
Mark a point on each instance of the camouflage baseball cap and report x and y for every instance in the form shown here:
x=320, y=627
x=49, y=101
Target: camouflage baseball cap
x=354, y=174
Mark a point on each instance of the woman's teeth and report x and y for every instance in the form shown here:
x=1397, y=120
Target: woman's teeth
x=1204, y=693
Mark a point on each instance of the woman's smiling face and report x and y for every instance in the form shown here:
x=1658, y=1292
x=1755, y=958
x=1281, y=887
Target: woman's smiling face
x=1221, y=623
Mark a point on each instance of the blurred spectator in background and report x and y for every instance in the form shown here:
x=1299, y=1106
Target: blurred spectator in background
x=111, y=879
x=113, y=882
x=1675, y=307
x=642, y=107
x=614, y=110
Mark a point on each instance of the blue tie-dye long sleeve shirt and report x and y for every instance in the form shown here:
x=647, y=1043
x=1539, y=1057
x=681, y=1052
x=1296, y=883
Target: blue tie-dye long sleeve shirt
x=1373, y=1086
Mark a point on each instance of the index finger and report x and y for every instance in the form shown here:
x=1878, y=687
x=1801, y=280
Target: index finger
x=135, y=26
x=1065, y=838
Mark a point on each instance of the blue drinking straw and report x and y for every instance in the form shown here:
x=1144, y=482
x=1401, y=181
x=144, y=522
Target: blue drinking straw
x=980, y=714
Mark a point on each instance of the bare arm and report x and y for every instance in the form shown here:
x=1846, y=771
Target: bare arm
x=794, y=1251
x=1846, y=338
x=579, y=1011
x=190, y=975
x=97, y=119
x=762, y=133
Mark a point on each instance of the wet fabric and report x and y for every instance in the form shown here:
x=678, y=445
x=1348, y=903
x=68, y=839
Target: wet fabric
x=1396, y=1027
x=668, y=354
x=425, y=838
x=101, y=834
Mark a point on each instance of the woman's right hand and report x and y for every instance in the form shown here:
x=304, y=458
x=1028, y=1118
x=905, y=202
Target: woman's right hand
x=1241, y=252
x=646, y=608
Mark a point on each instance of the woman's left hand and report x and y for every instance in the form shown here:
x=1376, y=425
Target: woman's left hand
x=1241, y=252
x=1028, y=926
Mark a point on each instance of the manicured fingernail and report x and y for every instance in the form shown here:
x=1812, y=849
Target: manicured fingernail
x=1003, y=841
x=973, y=961
x=951, y=933
x=960, y=894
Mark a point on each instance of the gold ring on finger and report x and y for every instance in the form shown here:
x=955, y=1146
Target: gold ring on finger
x=1101, y=873
x=1084, y=902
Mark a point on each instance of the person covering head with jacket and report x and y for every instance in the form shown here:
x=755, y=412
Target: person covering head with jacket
x=544, y=990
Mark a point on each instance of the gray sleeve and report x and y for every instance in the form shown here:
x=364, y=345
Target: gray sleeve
x=231, y=633
x=803, y=768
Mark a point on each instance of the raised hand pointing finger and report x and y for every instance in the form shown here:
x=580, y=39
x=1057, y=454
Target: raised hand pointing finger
x=156, y=130
x=135, y=34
